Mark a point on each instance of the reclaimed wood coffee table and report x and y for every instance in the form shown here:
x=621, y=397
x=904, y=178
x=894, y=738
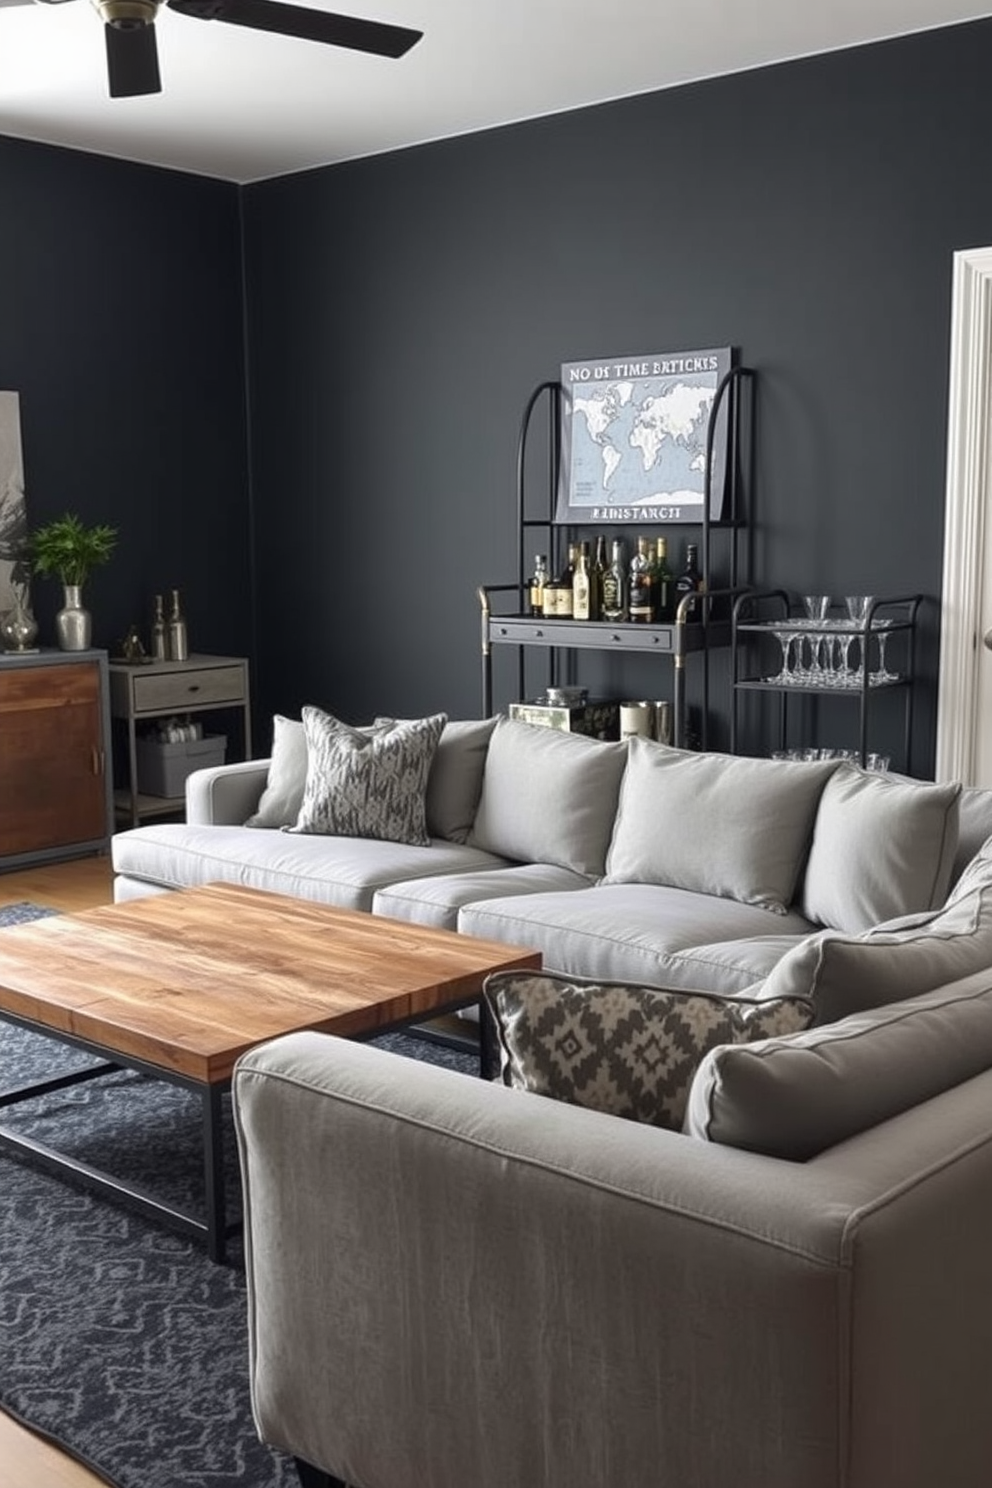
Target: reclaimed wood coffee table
x=178, y=985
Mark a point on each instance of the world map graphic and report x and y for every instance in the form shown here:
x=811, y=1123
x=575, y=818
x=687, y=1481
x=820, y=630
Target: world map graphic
x=634, y=436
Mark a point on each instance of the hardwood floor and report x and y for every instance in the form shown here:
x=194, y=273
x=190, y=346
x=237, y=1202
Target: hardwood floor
x=28, y=1460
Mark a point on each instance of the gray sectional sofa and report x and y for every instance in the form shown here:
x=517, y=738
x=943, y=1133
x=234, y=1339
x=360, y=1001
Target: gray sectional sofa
x=630, y=861
x=454, y=1283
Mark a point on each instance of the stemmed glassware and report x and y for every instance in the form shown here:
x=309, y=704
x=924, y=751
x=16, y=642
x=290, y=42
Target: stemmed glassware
x=858, y=607
x=818, y=671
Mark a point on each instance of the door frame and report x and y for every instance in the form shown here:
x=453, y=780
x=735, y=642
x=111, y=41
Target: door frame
x=967, y=574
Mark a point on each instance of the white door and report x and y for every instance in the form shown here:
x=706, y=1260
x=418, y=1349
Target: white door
x=964, y=714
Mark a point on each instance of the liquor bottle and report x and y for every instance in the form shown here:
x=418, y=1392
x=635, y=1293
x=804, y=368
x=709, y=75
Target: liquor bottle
x=640, y=595
x=599, y=567
x=177, y=640
x=536, y=584
x=689, y=581
x=582, y=585
x=615, y=586
x=159, y=649
x=662, y=583
x=565, y=581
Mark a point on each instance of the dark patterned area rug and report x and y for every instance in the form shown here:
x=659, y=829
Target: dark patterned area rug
x=118, y=1338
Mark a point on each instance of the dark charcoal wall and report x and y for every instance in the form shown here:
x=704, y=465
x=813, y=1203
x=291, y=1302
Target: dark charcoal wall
x=121, y=328
x=402, y=308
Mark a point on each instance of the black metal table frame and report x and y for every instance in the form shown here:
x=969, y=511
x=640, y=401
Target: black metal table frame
x=212, y=1226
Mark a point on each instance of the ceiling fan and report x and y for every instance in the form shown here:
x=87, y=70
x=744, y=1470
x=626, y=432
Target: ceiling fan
x=132, y=53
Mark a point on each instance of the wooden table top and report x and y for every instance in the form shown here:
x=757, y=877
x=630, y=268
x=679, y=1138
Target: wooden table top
x=189, y=980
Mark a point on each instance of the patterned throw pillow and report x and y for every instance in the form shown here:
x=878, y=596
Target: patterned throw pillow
x=363, y=783
x=626, y=1050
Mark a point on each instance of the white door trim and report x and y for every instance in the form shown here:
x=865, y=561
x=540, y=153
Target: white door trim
x=966, y=529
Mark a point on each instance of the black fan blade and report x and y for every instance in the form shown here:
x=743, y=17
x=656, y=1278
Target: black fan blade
x=307, y=25
x=132, y=61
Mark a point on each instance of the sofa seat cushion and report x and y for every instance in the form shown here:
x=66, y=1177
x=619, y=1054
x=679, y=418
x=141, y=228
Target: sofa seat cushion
x=638, y=933
x=624, y=1049
x=844, y=974
x=548, y=797
x=436, y=901
x=345, y=871
x=715, y=824
x=795, y=1097
x=882, y=846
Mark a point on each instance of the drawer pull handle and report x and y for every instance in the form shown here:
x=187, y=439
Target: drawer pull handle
x=194, y=687
x=616, y=637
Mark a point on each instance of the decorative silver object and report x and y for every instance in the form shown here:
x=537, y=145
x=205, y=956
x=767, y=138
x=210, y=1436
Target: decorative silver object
x=73, y=623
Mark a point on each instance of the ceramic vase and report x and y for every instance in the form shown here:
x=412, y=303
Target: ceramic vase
x=73, y=623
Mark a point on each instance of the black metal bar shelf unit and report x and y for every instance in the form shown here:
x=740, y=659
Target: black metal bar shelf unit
x=504, y=618
x=761, y=618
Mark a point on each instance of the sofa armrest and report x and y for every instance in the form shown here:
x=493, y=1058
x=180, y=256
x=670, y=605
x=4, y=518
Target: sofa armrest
x=454, y=1283
x=226, y=795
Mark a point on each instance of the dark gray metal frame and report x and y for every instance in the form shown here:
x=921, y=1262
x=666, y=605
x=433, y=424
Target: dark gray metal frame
x=677, y=640
x=213, y=1226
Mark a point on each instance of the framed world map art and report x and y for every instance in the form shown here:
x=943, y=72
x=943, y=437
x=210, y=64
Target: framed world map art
x=634, y=432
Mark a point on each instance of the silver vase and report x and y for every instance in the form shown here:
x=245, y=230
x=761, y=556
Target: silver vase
x=73, y=623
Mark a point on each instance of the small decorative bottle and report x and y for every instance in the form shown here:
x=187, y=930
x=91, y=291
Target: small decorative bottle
x=538, y=581
x=178, y=643
x=159, y=649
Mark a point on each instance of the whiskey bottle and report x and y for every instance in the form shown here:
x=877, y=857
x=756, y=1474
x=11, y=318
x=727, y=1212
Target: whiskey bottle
x=538, y=580
x=178, y=643
x=615, y=586
x=159, y=650
x=640, y=597
x=582, y=585
x=600, y=564
x=689, y=581
x=565, y=581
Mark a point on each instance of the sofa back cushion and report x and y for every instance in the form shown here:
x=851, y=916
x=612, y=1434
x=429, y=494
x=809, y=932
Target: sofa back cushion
x=282, y=796
x=974, y=826
x=717, y=824
x=882, y=847
x=794, y=1097
x=548, y=797
x=845, y=974
x=622, y=1048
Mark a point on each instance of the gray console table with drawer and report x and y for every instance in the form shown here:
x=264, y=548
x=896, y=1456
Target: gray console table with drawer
x=139, y=694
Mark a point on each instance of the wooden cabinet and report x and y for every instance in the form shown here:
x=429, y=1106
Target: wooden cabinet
x=55, y=799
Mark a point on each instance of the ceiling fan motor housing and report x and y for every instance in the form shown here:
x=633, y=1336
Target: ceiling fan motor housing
x=126, y=15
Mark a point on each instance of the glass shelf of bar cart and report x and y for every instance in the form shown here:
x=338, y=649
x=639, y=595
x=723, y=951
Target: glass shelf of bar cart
x=854, y=646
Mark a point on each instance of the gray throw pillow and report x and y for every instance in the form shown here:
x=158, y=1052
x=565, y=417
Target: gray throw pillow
x=455, y=782
x=623, y=1049
x=716, y=824
x=548, y=797
x=792, y=1098
x=882, y=847
x=280, y=801
x=904, y=957
x=364, y=783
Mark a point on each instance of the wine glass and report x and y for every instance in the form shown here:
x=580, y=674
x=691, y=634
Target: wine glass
x=858, y=609
x=816, y=607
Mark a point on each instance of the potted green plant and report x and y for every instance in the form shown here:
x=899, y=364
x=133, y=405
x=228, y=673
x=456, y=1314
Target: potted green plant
x=70, y=550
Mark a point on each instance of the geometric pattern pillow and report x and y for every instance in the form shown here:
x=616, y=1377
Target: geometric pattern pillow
x=364, y=783
x=626, y=1050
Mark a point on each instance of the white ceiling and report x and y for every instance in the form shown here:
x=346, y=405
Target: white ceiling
x=242, y=105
